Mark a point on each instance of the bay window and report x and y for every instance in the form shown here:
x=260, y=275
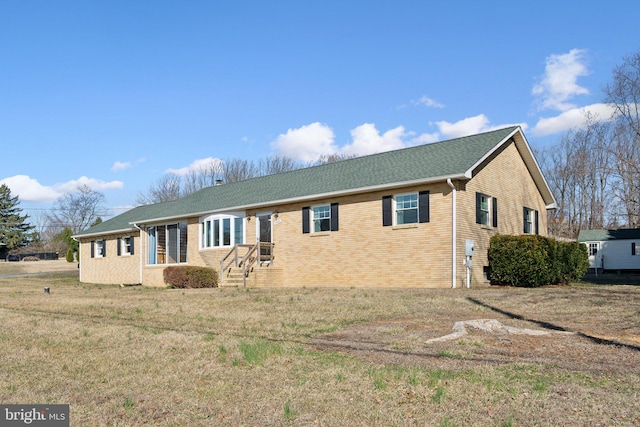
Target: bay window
x=222, y=230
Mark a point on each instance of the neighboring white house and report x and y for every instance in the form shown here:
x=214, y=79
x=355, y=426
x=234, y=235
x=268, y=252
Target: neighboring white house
x=612, y=249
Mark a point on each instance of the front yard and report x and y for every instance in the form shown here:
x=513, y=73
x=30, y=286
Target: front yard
x=306, y=356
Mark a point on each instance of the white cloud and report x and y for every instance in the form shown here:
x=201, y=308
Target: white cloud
x=572, y=119
x=94, y=184
x=428, y=102
x=118, y=166
x=197, y=166
x=306, y=143
x=425, y=138
x=367, y=140
x=470, y=126
x=559, y=82
x=310, y=142
x=464, y=127
x=30, y=190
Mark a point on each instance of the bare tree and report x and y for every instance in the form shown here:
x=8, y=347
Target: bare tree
x=205, y=176
x=276, y=164
x=624, y=92
x=331, y=158
x=165, y=189
x=77, y=211
x=626, y=149
x=235, y=170
x=580, y=174
x=624, y=95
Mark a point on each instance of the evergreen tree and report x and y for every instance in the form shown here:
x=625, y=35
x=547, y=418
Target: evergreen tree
x=70, y=255
x=14, y=230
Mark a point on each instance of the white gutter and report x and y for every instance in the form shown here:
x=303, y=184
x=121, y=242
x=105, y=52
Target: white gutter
x=140, y=251
x=453, y=233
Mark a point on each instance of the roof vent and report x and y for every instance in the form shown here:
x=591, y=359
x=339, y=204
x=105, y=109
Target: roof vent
x=218, y=182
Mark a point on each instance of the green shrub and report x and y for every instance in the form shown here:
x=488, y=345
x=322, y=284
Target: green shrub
x=70, y=255
x=532, y=261
x=190, y=277
x=574, y=261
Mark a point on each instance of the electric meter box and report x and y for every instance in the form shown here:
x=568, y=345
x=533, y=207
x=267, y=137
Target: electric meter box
x=469, y=246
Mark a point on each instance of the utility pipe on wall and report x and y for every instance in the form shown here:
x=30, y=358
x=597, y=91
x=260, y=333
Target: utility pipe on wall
x=453, y=233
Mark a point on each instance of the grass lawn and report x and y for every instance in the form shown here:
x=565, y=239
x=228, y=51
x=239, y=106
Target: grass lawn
x=233, y=356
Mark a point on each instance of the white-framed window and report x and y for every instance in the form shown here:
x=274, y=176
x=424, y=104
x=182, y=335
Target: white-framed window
x=127, y=245
x=406, y=208
x=486, y=210
x=167, y=244
x=101, y=248
x=321, y=218
x=530, y=221
x=222, y=230
x=594, y=247
x=485, y=213
x=98, y=248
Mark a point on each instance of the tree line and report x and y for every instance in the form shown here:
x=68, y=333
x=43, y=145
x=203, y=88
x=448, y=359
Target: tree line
x=594, y=171
x=171, y=186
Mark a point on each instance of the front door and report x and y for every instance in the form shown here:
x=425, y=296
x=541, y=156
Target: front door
x=264, y=235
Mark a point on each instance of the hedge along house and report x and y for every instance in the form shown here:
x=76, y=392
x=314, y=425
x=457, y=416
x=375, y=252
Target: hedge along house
x=402, y=218
x=612, y=250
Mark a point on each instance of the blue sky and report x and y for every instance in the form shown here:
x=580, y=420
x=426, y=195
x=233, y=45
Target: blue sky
x=114, y=94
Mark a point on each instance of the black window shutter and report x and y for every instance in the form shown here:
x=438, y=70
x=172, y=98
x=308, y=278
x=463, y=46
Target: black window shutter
x=93, y=249
x=537, y=229
x=633, y=248
x=387, y=217
x=524, y=220
x=104, y=248
x=132, y=246
x=118, y=244
x=423, y=206
x=334, y=217
x=305, y=219
x=494, y=213
x=478, y=211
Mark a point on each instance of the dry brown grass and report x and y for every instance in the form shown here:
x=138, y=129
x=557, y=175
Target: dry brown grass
x=139, y=356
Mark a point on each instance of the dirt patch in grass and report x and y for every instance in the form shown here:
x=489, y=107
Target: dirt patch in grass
x=600, y=332
x=402, y=342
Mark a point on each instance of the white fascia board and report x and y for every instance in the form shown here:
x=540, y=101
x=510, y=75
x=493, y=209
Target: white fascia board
x=530, y=162
x=308, y=198
x=104, y=233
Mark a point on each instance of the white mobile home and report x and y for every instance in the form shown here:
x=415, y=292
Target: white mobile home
x=615, y=250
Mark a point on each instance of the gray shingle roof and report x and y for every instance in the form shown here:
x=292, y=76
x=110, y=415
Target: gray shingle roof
x=603, y=235
x=425, y=163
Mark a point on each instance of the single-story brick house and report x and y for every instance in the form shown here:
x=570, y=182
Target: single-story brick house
x=614, y=250
x=402, y=218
